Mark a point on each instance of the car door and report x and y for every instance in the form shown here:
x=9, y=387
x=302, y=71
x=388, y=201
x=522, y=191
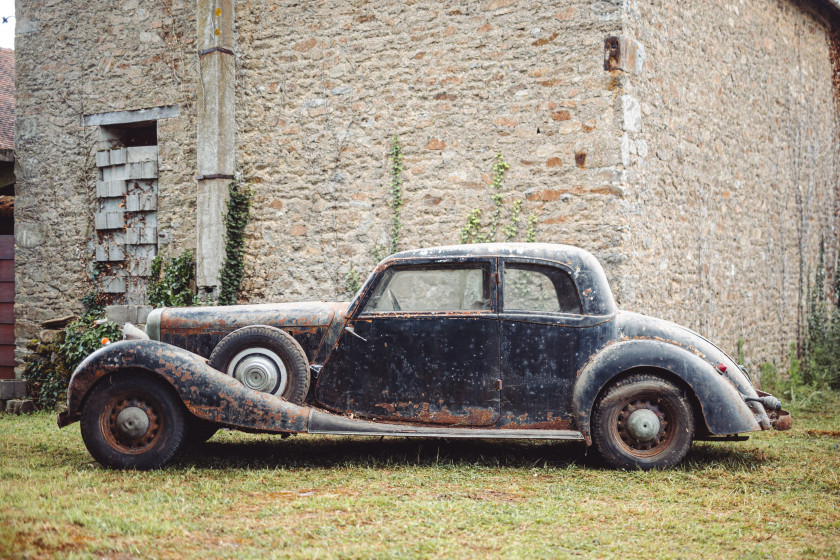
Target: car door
x=542, y=329
x=423, y=346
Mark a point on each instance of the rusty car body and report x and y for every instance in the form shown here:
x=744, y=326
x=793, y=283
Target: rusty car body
x=520, y=341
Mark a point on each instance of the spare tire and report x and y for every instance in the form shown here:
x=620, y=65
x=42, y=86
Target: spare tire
x=264, y=359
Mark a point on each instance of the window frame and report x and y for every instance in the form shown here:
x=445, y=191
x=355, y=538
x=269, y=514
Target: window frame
x=537, y=263
x=489, y=264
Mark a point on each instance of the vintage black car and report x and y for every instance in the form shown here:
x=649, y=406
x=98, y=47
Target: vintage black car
x=517, y=341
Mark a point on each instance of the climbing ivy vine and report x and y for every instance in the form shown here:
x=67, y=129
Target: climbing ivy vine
x=474, y=231
x=396, y=202
x=237, y=218
x=171, y=282
x=353, y=279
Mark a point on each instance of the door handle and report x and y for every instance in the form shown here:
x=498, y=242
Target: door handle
x=352, y=331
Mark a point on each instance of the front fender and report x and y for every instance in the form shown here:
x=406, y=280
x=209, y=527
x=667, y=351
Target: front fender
x=722, y=406
x=207, y=393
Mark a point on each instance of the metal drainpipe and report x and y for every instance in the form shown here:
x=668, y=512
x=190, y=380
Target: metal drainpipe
x=215, y=137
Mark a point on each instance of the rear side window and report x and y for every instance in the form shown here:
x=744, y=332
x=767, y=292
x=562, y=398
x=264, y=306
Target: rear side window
x=451, y=288
x=538, y=288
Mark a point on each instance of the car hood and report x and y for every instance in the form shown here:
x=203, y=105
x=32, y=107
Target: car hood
x=637, y=326
x=199, y=329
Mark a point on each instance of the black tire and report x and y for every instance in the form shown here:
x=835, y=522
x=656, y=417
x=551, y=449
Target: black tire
x=199, y=430
x=265, y=359
x=657, y=439
x=133, y=421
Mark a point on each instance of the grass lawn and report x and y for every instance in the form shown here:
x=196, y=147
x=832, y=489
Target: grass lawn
x=252, y=496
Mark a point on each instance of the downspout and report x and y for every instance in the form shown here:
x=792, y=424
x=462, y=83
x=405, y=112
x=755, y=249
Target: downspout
x=215, y=137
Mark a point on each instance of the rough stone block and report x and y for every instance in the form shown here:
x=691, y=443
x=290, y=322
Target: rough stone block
x=142, y=186
x=113, y=285
x=142, y=170
x=109, y=220
x=105, y=189
x=139, y=267
x=100, y=221
x=116, y=220
x=109, y=252
x=143, y=313
x=141, y=236
x=141, y=203
x=48, y=336
x=12, y=389
x=103, y=159
x=118, y=156
x=632, y=114
x=138, y=154
x=115, y=173
x=121, y=314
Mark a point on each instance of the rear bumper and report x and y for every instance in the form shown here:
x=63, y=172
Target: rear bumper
x=779, y=419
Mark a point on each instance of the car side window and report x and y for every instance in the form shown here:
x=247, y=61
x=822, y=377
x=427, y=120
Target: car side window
x=539, y=288
x=450, y=288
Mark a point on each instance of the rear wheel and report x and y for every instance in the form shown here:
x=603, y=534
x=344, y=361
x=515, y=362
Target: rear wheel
x=132, y=422
x=643, y=422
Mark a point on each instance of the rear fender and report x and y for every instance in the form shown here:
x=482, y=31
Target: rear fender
x=722, y=407
x=206, y=393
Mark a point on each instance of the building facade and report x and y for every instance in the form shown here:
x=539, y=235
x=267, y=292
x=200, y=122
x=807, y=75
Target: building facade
x=692, y=148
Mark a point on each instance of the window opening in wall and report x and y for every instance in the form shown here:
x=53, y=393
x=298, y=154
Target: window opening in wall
x=126, y=220
x=130, y=135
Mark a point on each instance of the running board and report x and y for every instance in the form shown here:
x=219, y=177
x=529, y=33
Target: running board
x=323, y=423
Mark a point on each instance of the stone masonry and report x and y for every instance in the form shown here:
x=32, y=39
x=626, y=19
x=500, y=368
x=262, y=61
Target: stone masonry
x=702, y=173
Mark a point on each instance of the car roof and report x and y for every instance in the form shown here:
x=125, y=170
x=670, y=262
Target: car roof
x=595, y=293
x=548, y=251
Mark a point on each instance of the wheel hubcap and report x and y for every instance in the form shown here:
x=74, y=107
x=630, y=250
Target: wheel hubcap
x=644, y=427
x=643, y=424
x=259, y=369
x=132, y=423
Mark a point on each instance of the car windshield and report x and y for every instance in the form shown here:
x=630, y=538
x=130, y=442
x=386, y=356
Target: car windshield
x=450, y=288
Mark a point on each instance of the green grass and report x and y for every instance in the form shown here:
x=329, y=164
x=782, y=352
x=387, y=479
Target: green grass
x=249, y=496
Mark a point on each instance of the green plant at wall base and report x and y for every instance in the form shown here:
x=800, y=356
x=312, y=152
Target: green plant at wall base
x=474, y=231
x=500, y=167
x=48, y=368
x=236, y=219
x=171, y=281
x=396, y=202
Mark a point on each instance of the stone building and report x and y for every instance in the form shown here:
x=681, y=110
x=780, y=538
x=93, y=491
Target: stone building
x=692, y=147
x=7, y=204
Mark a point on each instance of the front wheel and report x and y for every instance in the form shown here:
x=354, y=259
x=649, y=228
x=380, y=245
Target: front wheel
x=643, y=422
x=132, y=421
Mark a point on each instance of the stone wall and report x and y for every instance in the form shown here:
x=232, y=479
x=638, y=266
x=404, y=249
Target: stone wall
x=733, y=171
x=322, y=87
x=80, y=58
x=704, y=182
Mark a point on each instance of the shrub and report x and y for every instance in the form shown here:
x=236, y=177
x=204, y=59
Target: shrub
x=49, y=367
x=171, y=282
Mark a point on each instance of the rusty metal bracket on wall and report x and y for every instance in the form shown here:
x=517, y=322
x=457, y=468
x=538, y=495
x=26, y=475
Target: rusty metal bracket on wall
x=623, y=53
